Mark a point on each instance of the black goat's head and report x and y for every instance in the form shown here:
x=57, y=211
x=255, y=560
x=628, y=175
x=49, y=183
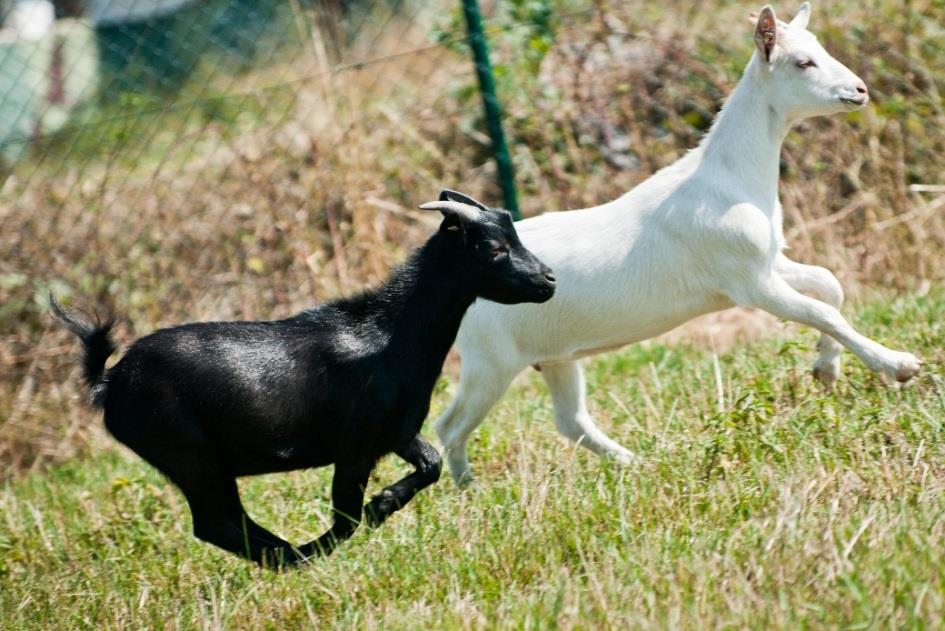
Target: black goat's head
x=505, y=271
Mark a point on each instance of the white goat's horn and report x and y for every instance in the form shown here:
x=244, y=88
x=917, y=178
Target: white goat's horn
x=471, y=213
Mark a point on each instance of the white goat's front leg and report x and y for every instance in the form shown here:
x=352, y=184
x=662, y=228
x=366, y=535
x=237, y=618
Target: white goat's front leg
x=480, y=386
x=821, y=284
x=566, y=383
x=773, y=294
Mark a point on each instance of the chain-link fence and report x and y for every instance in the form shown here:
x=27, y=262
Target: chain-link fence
x=177, y=160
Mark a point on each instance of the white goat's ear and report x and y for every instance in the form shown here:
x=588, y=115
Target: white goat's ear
x=766, y=33
x=802, y=17
x=459, y=210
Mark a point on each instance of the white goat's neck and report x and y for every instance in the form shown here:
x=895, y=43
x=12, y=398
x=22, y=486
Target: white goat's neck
x=744, y=142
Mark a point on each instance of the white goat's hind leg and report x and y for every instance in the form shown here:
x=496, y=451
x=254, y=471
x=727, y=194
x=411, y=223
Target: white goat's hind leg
x=480, y=386
x=773, y=294
x=820, y=283
x=566, y=383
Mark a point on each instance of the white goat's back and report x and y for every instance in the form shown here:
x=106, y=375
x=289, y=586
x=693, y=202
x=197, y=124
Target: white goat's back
x=627, y=270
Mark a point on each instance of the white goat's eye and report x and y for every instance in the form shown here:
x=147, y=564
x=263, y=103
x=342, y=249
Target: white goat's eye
x=804, y=64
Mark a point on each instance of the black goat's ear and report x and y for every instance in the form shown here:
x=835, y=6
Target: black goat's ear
x=453, y=225
x=451, y=195
x=455, y=215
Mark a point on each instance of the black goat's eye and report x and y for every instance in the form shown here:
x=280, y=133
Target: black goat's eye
x=804, y=64
x=497, y=249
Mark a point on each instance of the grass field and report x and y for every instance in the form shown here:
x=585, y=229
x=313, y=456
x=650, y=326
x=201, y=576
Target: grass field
x=761, y=501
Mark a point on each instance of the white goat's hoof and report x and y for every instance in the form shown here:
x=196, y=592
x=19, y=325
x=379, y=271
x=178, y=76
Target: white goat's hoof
x=625, y=457
x=903, y=367
x=466, y=481
x=470, y=486
x=827, y=373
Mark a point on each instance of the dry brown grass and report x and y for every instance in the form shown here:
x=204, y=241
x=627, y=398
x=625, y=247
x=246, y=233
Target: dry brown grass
x=313, y=198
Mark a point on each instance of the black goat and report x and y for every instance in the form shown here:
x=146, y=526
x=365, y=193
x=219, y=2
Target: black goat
x=343, y=383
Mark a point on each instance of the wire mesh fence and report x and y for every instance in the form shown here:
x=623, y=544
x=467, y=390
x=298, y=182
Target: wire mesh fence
x=145, y=106
x=177, y=160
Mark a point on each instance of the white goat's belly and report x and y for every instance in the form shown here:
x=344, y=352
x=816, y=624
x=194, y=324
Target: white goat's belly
x=592, y=336
x=577, y=324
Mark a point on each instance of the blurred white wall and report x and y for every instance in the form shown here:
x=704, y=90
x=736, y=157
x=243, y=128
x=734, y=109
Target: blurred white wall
x=30, y=19
x=111, y=11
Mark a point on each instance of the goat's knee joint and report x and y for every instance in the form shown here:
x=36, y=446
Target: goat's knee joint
x=569, y=428
x=830, y=287
x=835, y=291
x=433, y=468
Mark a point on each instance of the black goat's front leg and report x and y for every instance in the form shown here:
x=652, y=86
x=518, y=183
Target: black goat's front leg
x=426, y=459
x=347, y=493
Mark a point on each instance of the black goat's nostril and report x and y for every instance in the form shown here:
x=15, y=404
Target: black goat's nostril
x=550, y=277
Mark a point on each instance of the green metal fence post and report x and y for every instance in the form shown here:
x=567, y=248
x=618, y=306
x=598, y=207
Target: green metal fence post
x=480, y=50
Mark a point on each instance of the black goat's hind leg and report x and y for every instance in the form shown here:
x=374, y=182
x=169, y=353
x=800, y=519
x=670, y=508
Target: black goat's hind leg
x=426, y=459
x=218, y=514
x=220, y=519
x=347, y=493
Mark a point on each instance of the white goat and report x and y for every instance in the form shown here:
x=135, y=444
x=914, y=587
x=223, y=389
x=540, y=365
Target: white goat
x=701, y=235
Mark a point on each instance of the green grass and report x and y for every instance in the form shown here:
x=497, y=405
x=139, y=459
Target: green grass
x=777, y=506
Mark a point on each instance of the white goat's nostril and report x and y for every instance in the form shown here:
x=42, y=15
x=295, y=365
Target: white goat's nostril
x=861, y=88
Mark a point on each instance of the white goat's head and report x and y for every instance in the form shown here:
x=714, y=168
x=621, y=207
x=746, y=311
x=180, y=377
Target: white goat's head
x=804, y=79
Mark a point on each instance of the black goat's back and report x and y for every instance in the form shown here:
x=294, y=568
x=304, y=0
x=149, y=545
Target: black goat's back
x=252, y=388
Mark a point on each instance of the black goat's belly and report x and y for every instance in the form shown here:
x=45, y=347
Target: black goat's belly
x=259, y=459
x=274, y=465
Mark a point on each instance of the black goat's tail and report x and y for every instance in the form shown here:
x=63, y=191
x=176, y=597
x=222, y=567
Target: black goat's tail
x=98, y=346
